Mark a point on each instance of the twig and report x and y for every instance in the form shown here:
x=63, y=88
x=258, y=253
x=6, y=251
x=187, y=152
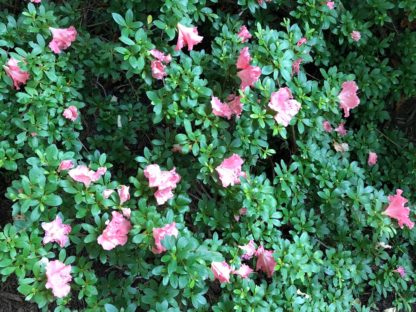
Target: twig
x=397, y=145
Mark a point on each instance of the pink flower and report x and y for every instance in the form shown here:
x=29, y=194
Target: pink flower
x=160, y=233
x=372, y=159
x=341, y=129
x=230, y=170
x=248, y=74
x=158, y=70
x=62, y=38
x=187, y=36
x=356, y=35
x=65, y=165
x=107, y=193
x=13, y=70
x=241, y=212
x=249, y=250
x=244, y=59
x=126, y=212
x=71, y=113
x=58, y=276
x=244, y=34
x=296, y=66
x=165, y=181
x=161, y=56
x=265, y=261
x=282, y=102
x=56, y=231
x=330, y=4
x=301, y=41
x=220, y=109
x=84, y=175
x=115, y=233
x=327, y=126
x=244, y=271
x=261, y=1
x=348, y=98
x=341, y=147
x=221, y=271
x=401, y=271
x=123, y=193
x=397, y=210
x=234, y=102
x=35, y=1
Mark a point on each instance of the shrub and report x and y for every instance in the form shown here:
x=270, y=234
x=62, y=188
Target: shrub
x=208, y=155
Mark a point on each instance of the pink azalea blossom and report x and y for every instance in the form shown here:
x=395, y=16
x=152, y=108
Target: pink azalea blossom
x=261, y=1
x=249, y=250
x=13, y=70
x=58, y=277
x=301, y=41
x=126, y=212
x=187, y=36
x=160, y=233
x=35, y=1
x=341, y=129
x=242, y=212
x=56, y=231
x=244, y=271
x=123, y=193
x=372, y=159
x=116, y=232
x=165, y=181
x=348, y=98
x=62, y=38
x=244, y=34
x=158, y=70
x=286, y=107
x=229, y=171
x=356, y=35
x=248, y=74
x=401, y=271
x=65, y=165
x=107, y=193
x=397, y=210
x=234, y=102
x=85, y=175
x=221, y=271
x=330, y=5
x=161, y=56
x=296, y=66
x=71, y=113
x=220, y=109
x=265, y=261
x=327, y=126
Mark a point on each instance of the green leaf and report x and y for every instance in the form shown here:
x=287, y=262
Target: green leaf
x=52, y=200
x=119, y=19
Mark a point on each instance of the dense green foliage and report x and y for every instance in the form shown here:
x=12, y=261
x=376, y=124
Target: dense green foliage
x=319, y=210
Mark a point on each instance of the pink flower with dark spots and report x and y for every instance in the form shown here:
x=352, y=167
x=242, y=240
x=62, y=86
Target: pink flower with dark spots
x=356, y=35
x=372, y=159
x=18, y=76
x=301, y=41
x=62, y=38
x=221, y=271
x=56, y=231
x=58, y=277
x=397, y=210
x=348, y=98
x=286, y=107
x=244, y=34
x=229, y=171
x=265, y=261
x=65, y=165
x=116, y=232
x=160, y=233
x=187, y=36
x=71, y=113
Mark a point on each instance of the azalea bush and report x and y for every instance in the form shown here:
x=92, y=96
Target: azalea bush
x=208, y=155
